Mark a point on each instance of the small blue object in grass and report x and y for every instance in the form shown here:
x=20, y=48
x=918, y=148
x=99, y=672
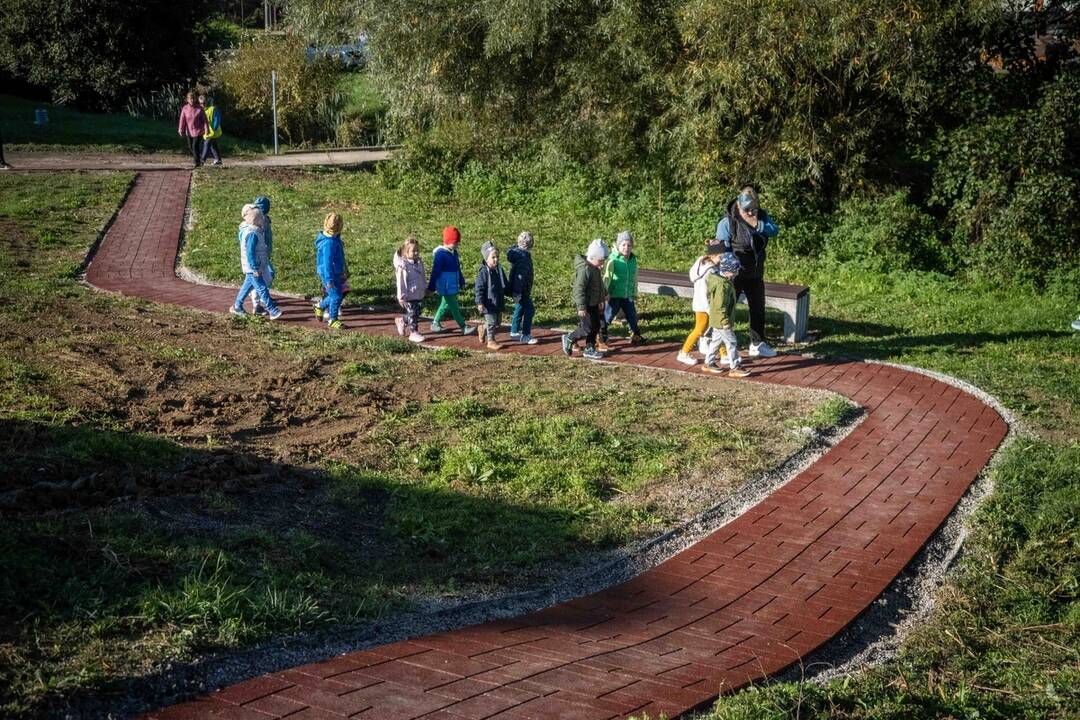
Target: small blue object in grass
x=41, y=117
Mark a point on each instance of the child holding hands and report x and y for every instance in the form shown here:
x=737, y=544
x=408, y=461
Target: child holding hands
x=411, y=288
x=447, y=280
x=721, y=294
x=490, y=290
x=588, y=298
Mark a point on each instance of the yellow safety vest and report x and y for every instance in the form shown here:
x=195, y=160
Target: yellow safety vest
x=211, y=133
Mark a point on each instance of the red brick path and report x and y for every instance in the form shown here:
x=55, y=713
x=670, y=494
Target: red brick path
x=743, y=603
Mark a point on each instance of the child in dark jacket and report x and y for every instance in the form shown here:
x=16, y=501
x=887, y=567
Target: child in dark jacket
x=588, y=298
x=447, y=280
x=490, y=290
x=721, y=294
x=521, y=284
x=330, y=265
x=411, y=288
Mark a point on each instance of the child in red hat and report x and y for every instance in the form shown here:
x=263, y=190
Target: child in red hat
x=447, y=280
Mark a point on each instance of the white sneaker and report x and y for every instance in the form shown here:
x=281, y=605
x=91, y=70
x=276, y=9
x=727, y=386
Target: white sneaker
x=436, y=327
x=416, y=337
x=515, y=336
x=761, y=349
x=685, y=359
x=528, y=340
x=468, y=330
x=1076, y=323
x=400, y=322
x=233, y=310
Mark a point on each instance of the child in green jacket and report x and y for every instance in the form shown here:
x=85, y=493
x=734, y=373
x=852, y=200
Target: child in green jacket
x=721, y=294
x=588, y=298
x=620, y=278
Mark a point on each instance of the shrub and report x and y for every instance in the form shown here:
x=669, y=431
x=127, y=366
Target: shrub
x=886, y=234
x=1010, y=185
x=308, y=100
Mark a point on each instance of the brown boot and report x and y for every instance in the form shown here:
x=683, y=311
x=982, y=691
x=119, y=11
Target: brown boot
x=481, y=333
x=602, y=346
x=636, y=339
x=493, y=345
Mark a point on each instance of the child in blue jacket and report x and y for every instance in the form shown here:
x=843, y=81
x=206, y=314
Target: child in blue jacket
x=447, y=280
x=266, y=267
x=252, y=240
x=521, y=285
x=330, y=265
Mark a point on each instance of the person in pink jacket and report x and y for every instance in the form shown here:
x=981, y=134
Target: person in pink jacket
x=192, y=127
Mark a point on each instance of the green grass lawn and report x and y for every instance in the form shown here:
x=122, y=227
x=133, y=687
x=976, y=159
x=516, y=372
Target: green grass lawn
x=74, y=131
x=487, y=474
x=1004, y=639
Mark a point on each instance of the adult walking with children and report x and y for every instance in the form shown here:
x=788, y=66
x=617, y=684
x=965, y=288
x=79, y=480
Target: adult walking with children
x=192, y=127
x=745, y=231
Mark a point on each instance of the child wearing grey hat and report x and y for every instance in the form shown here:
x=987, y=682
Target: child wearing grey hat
x=521, y=284
x=589, y=297
x=721, y=294
x=490, y=288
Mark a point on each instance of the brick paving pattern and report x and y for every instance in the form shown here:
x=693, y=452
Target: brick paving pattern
x=745, y=602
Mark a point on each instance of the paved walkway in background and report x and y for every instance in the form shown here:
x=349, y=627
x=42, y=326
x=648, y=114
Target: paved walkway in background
x=745, y=602
x=50, y=161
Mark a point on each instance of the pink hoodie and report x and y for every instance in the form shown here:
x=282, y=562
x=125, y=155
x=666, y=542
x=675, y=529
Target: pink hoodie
x=192, y=121
x=411, y=283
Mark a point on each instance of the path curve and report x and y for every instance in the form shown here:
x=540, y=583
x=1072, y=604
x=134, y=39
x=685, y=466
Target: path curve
x=743, y=603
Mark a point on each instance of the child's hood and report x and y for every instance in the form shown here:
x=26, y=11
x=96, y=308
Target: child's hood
x=701, y=269
x=399, y=262
x=445, y=249
x=516, y=254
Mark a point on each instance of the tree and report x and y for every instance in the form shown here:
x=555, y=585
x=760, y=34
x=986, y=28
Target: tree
x=94, y=53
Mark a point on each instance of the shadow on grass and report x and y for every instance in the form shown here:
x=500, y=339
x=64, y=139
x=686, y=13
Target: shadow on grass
x=218, y=550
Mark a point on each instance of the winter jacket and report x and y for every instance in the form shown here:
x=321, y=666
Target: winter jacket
x=213, y=123
x=747, y=243
x=721, y=295
x=490, y=288
x=251, y=241
x=588, y=284
x=446, y=277
x=192, y=121
x=699, y=273
x=620, y=276
x=330, y=259
x=411, y=279
x=521, y=273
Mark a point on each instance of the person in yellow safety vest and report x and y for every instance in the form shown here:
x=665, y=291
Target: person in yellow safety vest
x=213, y=129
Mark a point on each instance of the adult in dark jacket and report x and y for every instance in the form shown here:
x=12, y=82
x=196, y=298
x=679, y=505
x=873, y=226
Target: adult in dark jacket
x=521, y=285
x=745, y=231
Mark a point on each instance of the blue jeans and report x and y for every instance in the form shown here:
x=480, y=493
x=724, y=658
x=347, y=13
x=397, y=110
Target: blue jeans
x=256, y=283
x=521, y=321
x=612, y=309
x=332, y=300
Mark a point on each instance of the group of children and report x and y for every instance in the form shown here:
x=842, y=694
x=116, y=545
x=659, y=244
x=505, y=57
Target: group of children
x=605, y=284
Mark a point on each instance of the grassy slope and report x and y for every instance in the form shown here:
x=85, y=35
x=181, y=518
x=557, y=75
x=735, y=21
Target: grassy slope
x=1005, y=638
x=473, y=489
x=74, y=131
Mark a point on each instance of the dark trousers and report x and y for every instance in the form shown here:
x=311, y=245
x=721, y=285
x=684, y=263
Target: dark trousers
x=194, y=147
x=412, y=314
x=614, y=305
x=754, y=289
x=209, y=146
x=588, y=326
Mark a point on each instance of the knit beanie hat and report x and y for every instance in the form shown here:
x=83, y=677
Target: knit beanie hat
x=728, y=264
x=487, y=248
x=624, y=236
x=597, y=250
x=525, y=240
x=450, y=235
x=263, y=203
x=252, y=215
x=332, y=224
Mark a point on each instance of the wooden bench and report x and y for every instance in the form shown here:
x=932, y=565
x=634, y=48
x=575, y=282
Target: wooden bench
x=792, y=300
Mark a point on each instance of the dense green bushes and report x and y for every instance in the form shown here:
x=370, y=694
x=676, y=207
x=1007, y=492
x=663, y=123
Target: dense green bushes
x=96, y=53
x=308, y=99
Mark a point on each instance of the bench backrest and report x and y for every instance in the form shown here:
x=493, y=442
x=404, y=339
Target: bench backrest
x=682, y=280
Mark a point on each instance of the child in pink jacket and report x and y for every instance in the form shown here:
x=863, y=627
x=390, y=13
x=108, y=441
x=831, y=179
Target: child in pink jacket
x=411, y=288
